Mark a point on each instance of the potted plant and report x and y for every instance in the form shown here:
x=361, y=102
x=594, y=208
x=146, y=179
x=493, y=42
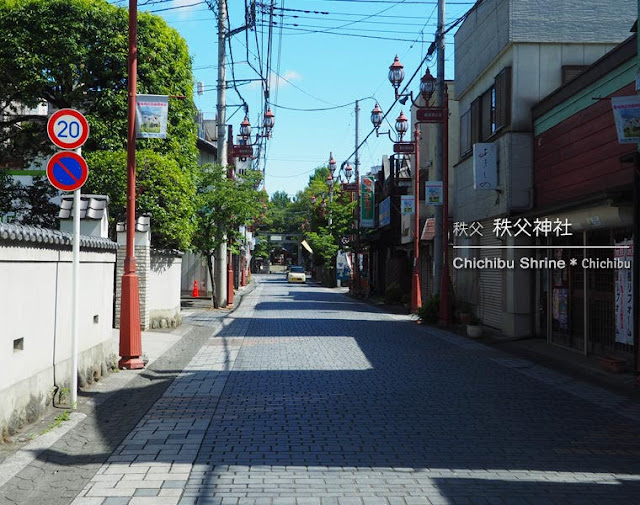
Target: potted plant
x=474, y=328
x=464, y=312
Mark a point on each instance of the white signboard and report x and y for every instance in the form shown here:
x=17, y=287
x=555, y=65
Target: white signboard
x=626, y=113
x=624, y=294
x=406, y=204
x=433, y=192
x=152, y=112
x=485, y=166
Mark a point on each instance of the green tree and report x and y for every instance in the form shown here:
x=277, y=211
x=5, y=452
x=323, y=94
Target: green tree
x=73, y=53
x=330, y=218
x=223, y=205
x=163, y=190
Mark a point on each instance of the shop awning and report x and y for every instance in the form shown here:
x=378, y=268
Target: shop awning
x=429, y=229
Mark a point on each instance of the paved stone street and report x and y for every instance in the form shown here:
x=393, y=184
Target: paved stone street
x=307, y=397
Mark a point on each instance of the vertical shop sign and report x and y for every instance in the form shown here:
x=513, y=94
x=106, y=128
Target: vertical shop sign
x=624, y=293
x=367, y=193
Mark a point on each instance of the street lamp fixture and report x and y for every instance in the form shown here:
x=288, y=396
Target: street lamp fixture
x=402, y=125
x=427, y=85
x=348, y=171
x=332, y=164
x=396, y=74
x=269, y=121
x=376, y=117
x=245, y=129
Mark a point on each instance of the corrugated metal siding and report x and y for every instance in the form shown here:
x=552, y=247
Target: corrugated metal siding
x=490, y=287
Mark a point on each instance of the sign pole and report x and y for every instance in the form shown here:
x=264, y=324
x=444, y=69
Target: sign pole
x=74, y=296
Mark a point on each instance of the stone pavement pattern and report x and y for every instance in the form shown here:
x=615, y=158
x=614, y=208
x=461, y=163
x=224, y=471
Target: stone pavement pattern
x=305, y=397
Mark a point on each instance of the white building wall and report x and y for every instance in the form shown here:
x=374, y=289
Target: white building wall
x=35, y=305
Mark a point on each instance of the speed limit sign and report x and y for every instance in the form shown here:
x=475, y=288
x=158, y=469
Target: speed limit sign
x=68, y=129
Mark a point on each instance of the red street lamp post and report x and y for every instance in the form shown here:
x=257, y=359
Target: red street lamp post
x=427, y=87
x=130, y=334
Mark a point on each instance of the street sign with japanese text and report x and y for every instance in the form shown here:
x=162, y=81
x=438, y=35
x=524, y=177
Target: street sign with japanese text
x=430, y=114
x=403, y=147
x=349, y=187
x=242, y=151
x=485, y=166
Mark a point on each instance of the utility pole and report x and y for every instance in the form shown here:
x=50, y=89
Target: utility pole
x=221, y=255
x=356, y=263
x=438, y=238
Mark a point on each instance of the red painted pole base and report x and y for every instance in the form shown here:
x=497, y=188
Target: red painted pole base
x=230, y=283
x=130, y=334
x=416, y=294
x=445, y=299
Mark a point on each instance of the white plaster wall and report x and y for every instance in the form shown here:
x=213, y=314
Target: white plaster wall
x=164, y=286
x=35, y=304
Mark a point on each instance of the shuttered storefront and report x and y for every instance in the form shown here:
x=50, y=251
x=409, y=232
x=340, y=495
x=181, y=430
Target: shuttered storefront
x=490, y=288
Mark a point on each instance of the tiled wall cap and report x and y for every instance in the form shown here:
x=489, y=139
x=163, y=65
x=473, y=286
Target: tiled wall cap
x=22, y=233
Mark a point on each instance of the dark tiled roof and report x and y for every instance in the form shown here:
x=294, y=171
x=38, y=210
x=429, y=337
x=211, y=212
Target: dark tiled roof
x=33, y=235
x=91, y=206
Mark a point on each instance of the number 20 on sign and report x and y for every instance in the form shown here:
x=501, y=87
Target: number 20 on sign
x=68, y=129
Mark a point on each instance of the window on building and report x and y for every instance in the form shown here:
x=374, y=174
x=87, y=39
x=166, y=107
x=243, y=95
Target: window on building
x=488, y=114
x=465, y=132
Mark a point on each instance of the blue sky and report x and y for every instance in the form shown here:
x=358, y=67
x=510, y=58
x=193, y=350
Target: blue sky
x=326, y=61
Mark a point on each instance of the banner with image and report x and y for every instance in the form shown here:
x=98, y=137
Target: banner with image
x=406, y=204
x=433, y=192
x=626, y=113
x=624, y=294
x=367, y=202
x=152, y=112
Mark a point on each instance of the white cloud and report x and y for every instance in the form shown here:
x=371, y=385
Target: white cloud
x=280, y=81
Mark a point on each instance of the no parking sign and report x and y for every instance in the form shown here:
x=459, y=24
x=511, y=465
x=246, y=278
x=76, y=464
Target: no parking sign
x=67, y=171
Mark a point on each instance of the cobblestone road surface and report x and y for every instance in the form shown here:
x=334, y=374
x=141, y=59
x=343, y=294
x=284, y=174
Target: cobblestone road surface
x=306, y=397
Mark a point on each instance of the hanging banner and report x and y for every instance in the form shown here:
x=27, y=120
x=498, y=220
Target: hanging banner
x=433, y=192
x=384, y=212
x=367, y=202
x=624, y=294
x=626, y=113
x=152, y=112
x=406, y=204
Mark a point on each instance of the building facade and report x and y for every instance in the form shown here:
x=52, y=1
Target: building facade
x=584, y=175
x=508, y=57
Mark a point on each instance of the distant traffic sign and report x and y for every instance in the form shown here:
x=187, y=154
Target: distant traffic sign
x=67, y=171
x=403, y=147
x=68, y=128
